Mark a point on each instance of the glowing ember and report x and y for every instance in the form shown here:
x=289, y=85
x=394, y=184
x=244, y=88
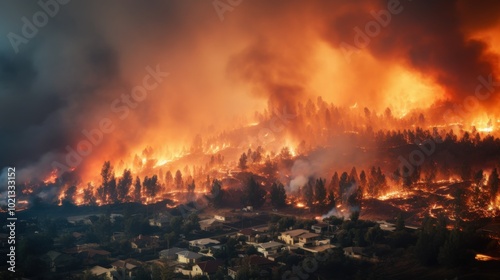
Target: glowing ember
x=51, y=178
x=485, y=258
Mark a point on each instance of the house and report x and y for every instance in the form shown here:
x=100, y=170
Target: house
x=128, y=264
x=170, y=254
x=308, y=239
x=223, y=217
x=125, y=268
x=144, y=243
x=210, y=224
x=188, y=257
x=206, y=268
x=269, y=248
x=292, y=237
x=99, y=271
x=251, y=235
x=320, y=227
x=203, y=243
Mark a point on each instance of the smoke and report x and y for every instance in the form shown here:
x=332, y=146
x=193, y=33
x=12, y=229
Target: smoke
x=265, y=53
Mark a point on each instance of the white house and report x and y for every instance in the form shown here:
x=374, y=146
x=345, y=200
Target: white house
x=269, y=248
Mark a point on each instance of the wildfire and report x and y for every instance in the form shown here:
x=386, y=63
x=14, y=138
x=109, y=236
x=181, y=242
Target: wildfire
x=485, y=258
x=51, y=178
x=391, y=195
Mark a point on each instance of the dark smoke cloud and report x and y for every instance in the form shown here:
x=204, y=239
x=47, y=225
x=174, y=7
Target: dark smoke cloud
x=430, y=37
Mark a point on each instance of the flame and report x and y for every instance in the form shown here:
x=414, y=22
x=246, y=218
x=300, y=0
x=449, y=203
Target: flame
x=485, y=258
x=51, y=178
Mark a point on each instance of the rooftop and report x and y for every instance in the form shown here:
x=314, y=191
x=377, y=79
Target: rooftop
x=189, y=254
x=203, y=241
x=270, y=244
x=295, y=232
x=171, y=252
x=211, y=266
x=308, y=235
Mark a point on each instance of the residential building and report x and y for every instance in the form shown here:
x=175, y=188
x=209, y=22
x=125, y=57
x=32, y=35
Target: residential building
x=210, y=224
x=125, y=269
x=170, y=254
x=308, y=239
x=188, y=257
x=269, y=248
x=203, y=243
x=206, y=268
x=251, y=235
x=224, y=217
x=320, y=227
x=291, y=237
x=106, y=273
